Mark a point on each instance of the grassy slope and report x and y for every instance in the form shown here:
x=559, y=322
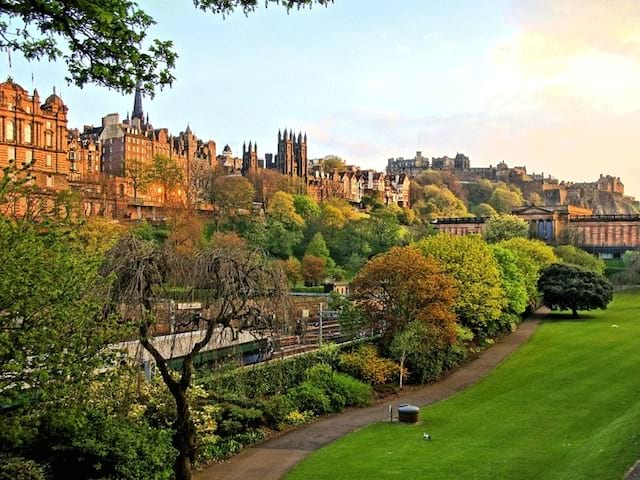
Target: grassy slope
x=566, y=405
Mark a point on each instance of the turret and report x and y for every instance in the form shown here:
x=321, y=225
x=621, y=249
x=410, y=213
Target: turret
x=137, y=103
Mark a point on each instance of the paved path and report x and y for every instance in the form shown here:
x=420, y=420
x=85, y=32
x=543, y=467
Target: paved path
x=633, y=474
x=274, y=458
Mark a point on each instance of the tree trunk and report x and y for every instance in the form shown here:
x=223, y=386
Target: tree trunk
x=184, y=438
x=401, y=369
x=574, y=312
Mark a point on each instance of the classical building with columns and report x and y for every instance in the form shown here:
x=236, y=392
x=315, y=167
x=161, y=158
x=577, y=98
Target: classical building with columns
x=606, y=235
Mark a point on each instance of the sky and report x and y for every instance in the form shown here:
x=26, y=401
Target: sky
x=550, y=84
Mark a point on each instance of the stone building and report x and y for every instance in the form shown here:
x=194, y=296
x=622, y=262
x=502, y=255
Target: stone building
x=410, y=166
x=291, y=159
x=34, y=133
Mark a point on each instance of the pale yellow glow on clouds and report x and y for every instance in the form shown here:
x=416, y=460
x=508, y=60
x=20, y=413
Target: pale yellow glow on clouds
x=570, y=78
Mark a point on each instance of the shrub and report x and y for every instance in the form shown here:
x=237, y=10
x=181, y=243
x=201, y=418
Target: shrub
x=18, y=468
x=428, y=366
x=307, y=396
x=365, y=364
x=296, y=418
x=93, y=445
x=277, y=409
x=341, y=389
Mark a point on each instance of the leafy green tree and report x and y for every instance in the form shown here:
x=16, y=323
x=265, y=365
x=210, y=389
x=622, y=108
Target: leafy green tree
x=479, y=192
x=53, y=331
x=411, y=340
x=104, y=41
x=230, y=196
x=565, y=287
x=318, y=247
x=383, y=230
x=332, y=163
x=306, y=207
x=579, y=258
x=470, y=262
x=512, y=280
x=504, y=227
x=165, y=172
x=504, y=200
x=135, y=171
x=531, y=257
x=484, y=210
x=284, y=227
x=439, y=202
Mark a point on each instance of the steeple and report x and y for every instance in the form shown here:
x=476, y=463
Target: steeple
x=137, y=103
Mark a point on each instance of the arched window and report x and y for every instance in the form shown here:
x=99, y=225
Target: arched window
x=8, y=131
x=27, y=133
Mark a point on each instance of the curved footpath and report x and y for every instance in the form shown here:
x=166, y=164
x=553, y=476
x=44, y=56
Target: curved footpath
x=274, y=458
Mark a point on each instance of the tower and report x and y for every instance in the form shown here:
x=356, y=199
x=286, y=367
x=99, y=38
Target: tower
x=249, y=158
x=137, y=104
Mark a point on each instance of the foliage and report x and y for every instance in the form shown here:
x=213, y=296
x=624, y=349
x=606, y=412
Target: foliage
x=313, y=269
x=531, y=257
x=308, y=396
x=629, y=274
x=306, y=207
x=352, y=320
x=165, y=172
x=400, y=286
x=277, y=410
x=366, y=364
x=104, y=41
x=479, y=192
x=428, y=365
x=588, y=397
x=94, y=445
x=150, y=232
x=18, y=468
x=469, y=262
x=292, y=270
x=565, y=287
x=504, y=227
x=231, y=197
x=484, y=210
x=512, y=280
x=579, y=258
x=52, y=328
x=504, y=200
x=331, y=163
x=342, y=390
x=436, y=202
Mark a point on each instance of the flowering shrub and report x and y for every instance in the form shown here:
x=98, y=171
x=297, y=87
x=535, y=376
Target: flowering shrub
x=296, y=418
x=366, y=364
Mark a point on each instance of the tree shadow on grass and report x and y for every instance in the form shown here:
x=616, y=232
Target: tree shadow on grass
x=566, y=316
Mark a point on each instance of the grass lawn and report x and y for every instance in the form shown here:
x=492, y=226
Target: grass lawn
x=566, y=405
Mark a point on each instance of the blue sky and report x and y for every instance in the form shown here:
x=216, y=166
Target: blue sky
x=551, y=84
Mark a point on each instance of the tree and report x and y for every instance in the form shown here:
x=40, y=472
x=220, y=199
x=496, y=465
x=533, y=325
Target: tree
x=504, y=200
x=166, y=172
x=484, y=210
x=306, y=207
x=230, y=196
x=239, y=290
x=504, y=227
x=402, y=286
x=469, y=261
x=478, y=192
x=439, y=202
x=292, y=269
x=284, y=225
x=410, y=340
x=53, y=331
x=332, y=163
x=531, y=257
x=565, y=287
x=314, y=269
x=104, y=41
x=512, y=280
x=579, y=258
x=136, y=172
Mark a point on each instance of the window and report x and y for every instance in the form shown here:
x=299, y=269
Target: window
x=48, y=125
x=50, y=181
x=11, y=154
x=8, y=131
x=48, y=139
x=27, y=133
x=48, y=160
x=28, y=157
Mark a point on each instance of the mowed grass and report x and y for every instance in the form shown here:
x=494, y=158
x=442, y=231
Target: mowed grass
x=566, y=405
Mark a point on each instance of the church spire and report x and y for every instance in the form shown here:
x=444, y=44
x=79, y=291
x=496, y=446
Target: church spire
x=137, y=103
